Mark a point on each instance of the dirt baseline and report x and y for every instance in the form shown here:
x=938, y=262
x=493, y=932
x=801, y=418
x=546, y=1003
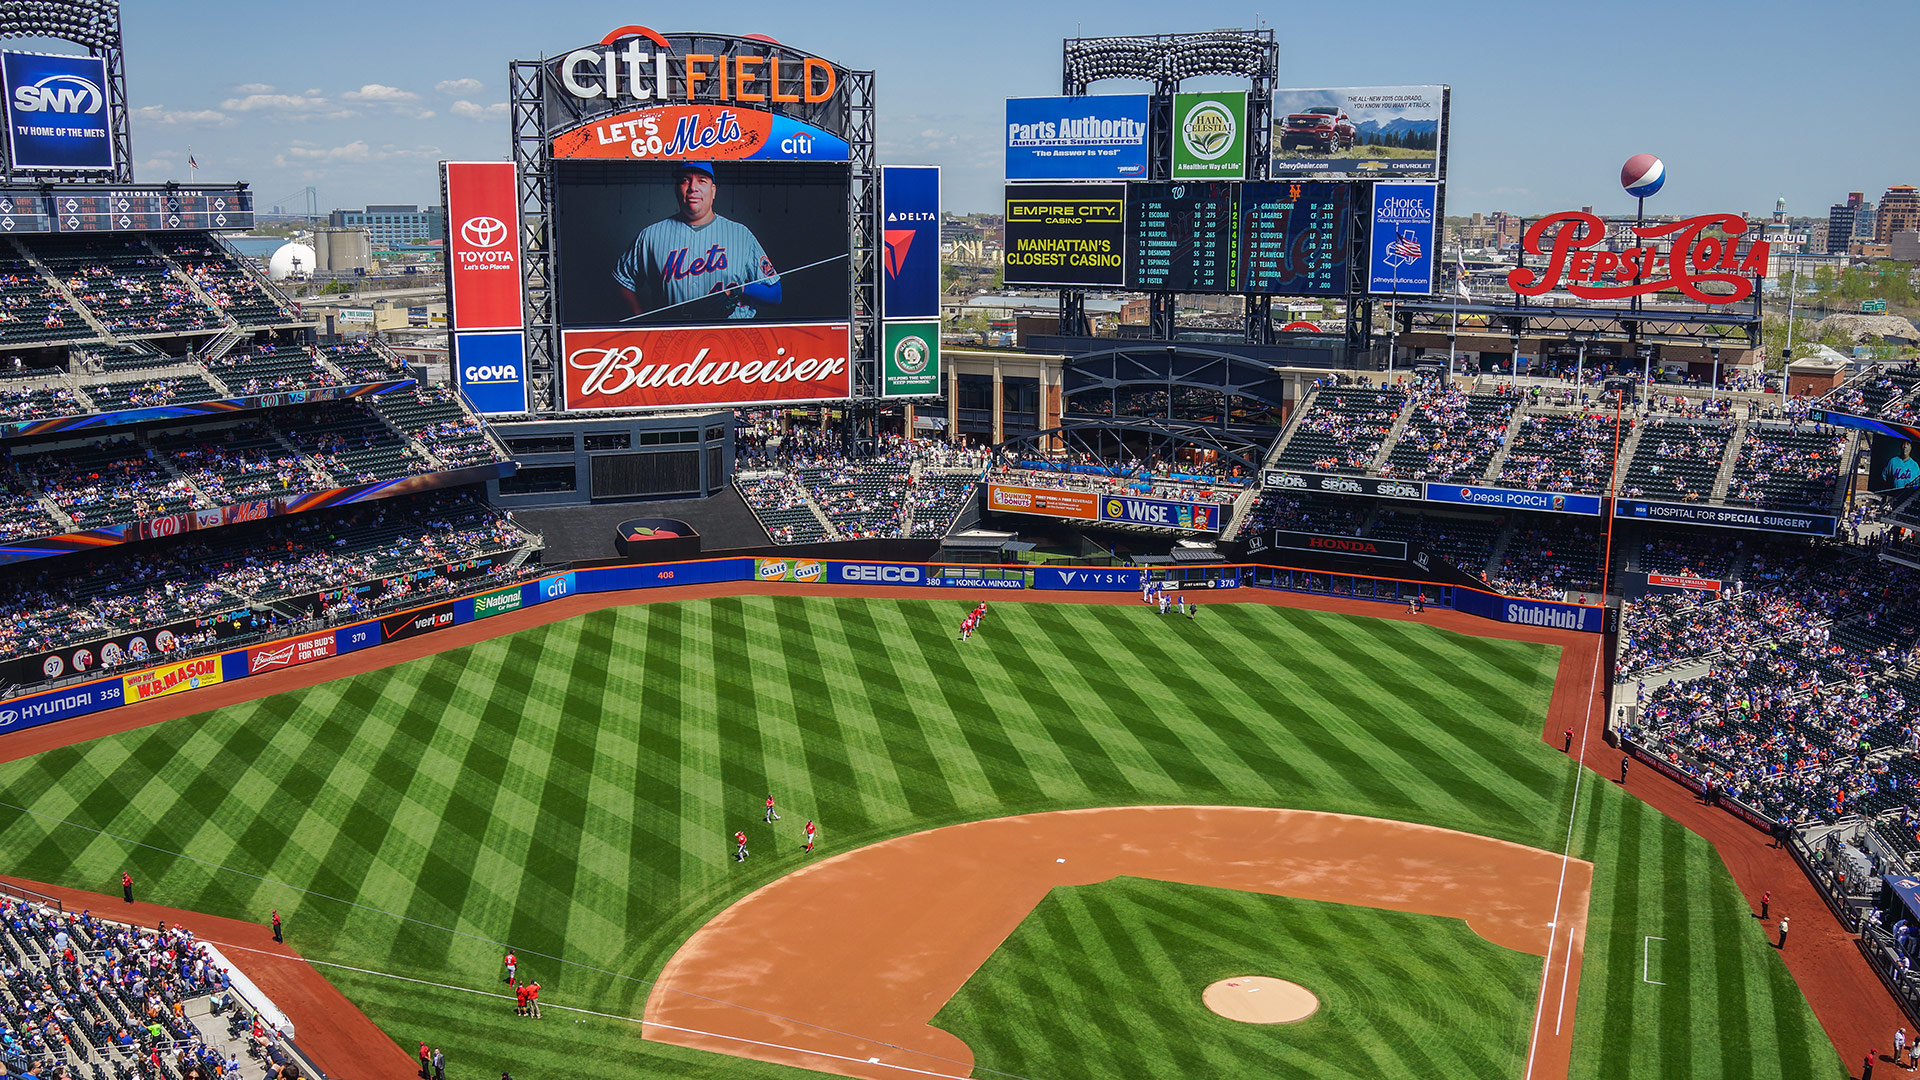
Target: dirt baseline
x=877, y=940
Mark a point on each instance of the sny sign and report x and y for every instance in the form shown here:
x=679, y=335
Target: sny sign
x=1699, y=250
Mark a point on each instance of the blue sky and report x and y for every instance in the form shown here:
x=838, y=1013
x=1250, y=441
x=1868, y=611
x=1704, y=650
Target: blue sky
x=361, y=99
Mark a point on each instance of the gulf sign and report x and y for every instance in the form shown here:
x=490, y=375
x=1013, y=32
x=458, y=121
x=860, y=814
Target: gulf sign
x=1161, y=513
x=1043, y=502
x=706, y=132
x=289, y=653
x=640, y=64
x=483, y=245
x=57, y=111
x=706, y=366
x=171, y=679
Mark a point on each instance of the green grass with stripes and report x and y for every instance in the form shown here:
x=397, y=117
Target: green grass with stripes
x=571, y=790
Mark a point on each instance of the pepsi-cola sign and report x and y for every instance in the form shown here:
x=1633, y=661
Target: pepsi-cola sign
x=1682, y=255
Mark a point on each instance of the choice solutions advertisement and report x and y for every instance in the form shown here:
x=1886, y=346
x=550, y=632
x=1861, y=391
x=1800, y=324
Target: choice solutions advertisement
x=1066, y=234
x=703, y=283
x=1089, y=137
x=1370, y=132
x=1400, y=259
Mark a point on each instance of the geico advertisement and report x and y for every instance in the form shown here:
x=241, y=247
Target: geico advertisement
x=483, y=225
x=1066, y=234
x=161, y=681
x=707, y=366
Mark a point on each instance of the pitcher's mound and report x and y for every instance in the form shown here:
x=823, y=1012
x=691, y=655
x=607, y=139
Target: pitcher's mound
x=1257, y=999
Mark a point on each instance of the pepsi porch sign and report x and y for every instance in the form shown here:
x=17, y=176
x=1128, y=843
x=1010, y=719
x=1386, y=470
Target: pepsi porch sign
x=57, y=112
x=1400, y=262
x=484, y=285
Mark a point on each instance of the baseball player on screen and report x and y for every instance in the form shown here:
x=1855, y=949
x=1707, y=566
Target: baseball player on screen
x=696, y=262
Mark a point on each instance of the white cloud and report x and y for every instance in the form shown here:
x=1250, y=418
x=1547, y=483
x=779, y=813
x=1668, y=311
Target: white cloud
x=254, y=88
x=309, y=104
x=357, y=152
x=460, y=86
x=377, y=93
x=478, y=112
x=160, y=114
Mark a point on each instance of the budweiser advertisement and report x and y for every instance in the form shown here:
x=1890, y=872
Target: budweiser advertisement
x=289, y=653
x=1637, y=260
x=483, y=245
x=707, y=366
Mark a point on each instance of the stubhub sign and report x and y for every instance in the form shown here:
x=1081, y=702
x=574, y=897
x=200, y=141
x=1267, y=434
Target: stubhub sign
x=492, y=371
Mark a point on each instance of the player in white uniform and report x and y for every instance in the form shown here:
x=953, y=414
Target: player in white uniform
x=697, y=263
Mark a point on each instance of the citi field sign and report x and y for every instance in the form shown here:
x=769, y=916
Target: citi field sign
x=1681, y=255
x=638, y=64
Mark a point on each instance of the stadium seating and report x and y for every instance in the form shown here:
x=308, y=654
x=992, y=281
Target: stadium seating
x=1787, y=468
x=936, y=498
x=1466, y=542
x=32, y=309
x=1451, y=436
x=352, y=443
x=242, y=462
x=270, y=371
x=37, y=402
x=106, y=484
x=435, y=417
x=1550, y=555
x=1559, y=451
x=1677, y=460
x=147, y=393
x=1342, y=429
x=236, y=292
x=363, y=363
x=125, y=285
x=782, y=506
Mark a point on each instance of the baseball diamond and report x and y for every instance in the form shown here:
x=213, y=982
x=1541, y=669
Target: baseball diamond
x=569, y=789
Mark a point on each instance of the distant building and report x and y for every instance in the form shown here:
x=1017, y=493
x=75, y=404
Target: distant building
x=1899, y=212
x=388, y=224
x=1840, y=227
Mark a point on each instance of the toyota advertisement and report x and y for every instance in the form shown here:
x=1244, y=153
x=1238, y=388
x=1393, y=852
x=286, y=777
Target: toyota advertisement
x=1364, y=132
x=484, y=285
x=702, y=283
x=57, y=112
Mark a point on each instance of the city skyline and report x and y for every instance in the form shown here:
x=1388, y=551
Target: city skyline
x=363, y=112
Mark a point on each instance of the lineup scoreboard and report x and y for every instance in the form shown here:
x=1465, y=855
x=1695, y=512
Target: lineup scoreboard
x=150, y=210
x=1295, y=237
x=1288, y=238
x=1182, y=237
x=24, y=210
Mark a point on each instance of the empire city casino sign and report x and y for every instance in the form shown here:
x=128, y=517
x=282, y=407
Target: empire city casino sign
x=1681, y=255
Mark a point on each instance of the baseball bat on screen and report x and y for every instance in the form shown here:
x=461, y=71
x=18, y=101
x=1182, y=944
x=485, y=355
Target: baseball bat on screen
x=755, y=281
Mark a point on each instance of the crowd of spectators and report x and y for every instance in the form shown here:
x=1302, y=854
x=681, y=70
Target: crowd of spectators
x=1343, y=428
x=105, y=484
x=1571, y=452
x=794, y=478
x=1451, y=435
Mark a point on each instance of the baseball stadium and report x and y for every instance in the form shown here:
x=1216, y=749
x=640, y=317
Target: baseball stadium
x=836, y=696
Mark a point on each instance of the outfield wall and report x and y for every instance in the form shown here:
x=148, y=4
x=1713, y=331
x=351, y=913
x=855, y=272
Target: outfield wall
x=33, y=710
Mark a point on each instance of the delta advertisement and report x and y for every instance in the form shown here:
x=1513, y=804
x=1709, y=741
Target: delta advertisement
x=173, y=678
x=484, y=285
x=1514, y=499
x=1210, y=136
x=1400, y=254
x=1086, y=137
x=1043, y=502
x=1363, y=132
x=711, y=132
x=57, y=112
x=702, y=283
x=1728, y=517
x=1066, y=234
x=910, y=232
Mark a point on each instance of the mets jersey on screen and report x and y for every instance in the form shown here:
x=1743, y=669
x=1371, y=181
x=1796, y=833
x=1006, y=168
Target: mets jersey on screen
x=674, y=263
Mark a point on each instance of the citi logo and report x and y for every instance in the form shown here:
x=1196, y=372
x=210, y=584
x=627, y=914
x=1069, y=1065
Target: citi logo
x=59, y=94
x=483, y=232
x=555, y=588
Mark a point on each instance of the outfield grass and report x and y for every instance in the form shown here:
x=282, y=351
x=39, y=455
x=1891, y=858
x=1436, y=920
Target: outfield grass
x=571, y=790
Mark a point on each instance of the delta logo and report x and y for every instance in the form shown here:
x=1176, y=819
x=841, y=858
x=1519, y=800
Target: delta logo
x=899, y=242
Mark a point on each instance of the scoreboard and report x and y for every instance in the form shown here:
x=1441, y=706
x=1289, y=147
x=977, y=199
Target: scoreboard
x=94, y=209
x=24, y=210
x=1182, y=237
x=1295, y=237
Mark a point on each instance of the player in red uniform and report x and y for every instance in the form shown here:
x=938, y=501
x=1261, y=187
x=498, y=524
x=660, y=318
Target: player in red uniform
x=811, y=830
x=740, y=838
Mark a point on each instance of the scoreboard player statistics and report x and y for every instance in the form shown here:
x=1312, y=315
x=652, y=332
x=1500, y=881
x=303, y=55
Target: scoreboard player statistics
x=1294, y=238
x=1182, y=237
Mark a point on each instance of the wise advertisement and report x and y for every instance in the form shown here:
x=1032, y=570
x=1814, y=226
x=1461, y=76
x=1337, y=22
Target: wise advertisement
x=710, y=132
x=910, y=359
x=57, y=111
x=1066, y=234
x=171, y=679
x=1400, y=255
x=1161, y=513
x=1368, y=132
x=483, y=245
x=492, y=371
x=1210, y=136
x=1088, y=137
x=910, y=235
x=703, y=366
x=1044, y=502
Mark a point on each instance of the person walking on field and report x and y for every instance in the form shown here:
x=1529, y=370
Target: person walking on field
x=1899, y=1044
x=811, y=830
x=126, y=886
x=426, y=1057
x=740, y=838
x=771, y=816
x=1623, y=767
x=1783, y=934
x=1765, y=899
x=1569, y=747
x=533, y=1000
x=276, y=926
x=439, y=1064
x=512, y=962
x=1866, y=1070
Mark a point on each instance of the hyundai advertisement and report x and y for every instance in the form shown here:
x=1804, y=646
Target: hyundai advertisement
x=57, y=112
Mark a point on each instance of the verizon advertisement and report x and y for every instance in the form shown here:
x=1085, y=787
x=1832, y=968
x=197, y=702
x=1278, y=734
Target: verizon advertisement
x=707, y=366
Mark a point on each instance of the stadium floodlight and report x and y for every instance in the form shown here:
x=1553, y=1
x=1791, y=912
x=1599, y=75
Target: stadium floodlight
x=94, y=24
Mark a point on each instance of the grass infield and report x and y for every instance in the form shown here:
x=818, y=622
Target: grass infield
x=572, y=790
